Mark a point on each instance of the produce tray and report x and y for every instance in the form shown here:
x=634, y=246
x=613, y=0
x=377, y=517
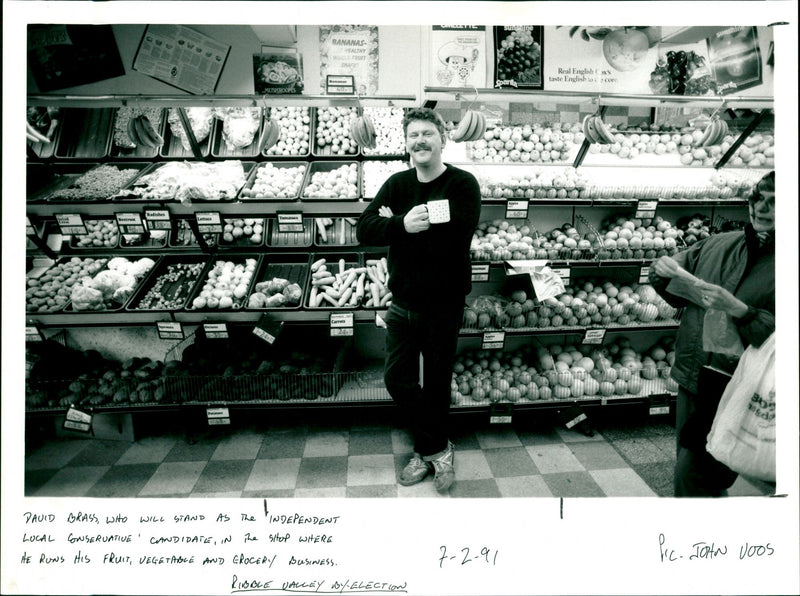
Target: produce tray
x=367, y=165
x=152, y=240
x=243, y=241
x=41, y=179
x=181, y=231
x=293, y=267
x=50, y=270
x=371, y=262
x=276, y=238
x=46, y=150
x=129, y=192
x=351, y=260
x=140, y=151
x=340, y=233
x=220, y=149
x=273, y=154
x=238, y=303
x=114, y=189
x=382, y=149
x=73, y=239
x=85, y=133
x=174, y=149
x=325, y=151
x=177, y=289
x=329, y=166
x=247, y=193
x=117, y=306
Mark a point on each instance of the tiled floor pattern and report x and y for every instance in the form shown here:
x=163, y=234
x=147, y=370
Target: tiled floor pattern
x=361, y=461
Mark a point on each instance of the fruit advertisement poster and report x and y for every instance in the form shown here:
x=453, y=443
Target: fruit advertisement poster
x=181, y=57
x=350, y=50
x=458, y=56
x=518, y=56
x=735, y=59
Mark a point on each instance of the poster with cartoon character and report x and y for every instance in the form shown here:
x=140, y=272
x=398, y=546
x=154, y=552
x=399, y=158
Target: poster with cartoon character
x=458, y=56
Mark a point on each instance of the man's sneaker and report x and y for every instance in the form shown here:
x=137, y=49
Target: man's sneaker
x=415, y=471
x=445, y=473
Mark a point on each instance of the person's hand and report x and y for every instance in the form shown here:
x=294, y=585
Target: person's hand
x=417, y=220
x=666, y=267
x=719, y=298
x=385, y=211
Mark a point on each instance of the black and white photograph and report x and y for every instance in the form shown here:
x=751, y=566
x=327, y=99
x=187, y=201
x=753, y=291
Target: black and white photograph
x=412, y=335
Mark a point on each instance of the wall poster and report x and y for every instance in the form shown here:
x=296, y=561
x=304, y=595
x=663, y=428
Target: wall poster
x=350, y=50
x=518, y=56
x=458, y=56
x=735, y=58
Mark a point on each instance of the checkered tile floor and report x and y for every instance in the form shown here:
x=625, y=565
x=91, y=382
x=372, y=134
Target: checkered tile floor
x=360, y=461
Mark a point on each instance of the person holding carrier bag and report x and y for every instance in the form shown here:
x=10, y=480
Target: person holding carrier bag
x=726, y=284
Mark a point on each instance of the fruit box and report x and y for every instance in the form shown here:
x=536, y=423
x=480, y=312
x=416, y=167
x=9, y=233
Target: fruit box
x=277, y=238
x=293, y=267
x=372, y=262
x=182, y=236
x=46, y=274
x=237, y=302
x=42, y=180
x=274, y=154
x=340, y=233
x=143, y=189
x=85, y=133
x=140, y=151
x=325, y=151
x=174, y=286
x=150, y=240
x=326, y=167
x=220, y=149
x=334, y=261
x=75, y=239
x=248, y=193
x=173, y=147
x=250, y=235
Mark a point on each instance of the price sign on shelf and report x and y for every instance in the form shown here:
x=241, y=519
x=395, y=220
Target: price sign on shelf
x=517, y=209
x=563, y=273
x=500, y=413
x=480, y=273
x=209, y=222
x=218, y=416
x=493, y=340
x=33, y=333
x=77, y=420
x=290, y=221
x=341, y=324
x=593, y=336
x=658, y=405
x=340, y=85
x=169, y=330
x=644, y=274
x=71, y=223
x=130, y=223
x=646, y=208
x=215, y=330
x=268, y=328
x=29, y=229
x=158, y=219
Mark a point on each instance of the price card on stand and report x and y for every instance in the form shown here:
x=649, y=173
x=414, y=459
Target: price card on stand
x=169, y=330
x=218, y=416
x=658, y=405
x=480, y=273
x=29, y=229
x=340, y=85
x=33, y=333
x=71, y=223
x=209, y=222
x=268, y=328
x=78, y=420
x=563, y=273
x=593, y=337
x=341, y=324
x=644, y=274
x=500, y=413
x=646, y=208
x=130, y=223
x=290, y=221
x=517, y=209
x=215, y=330
x=493, y=340
x=158, y=219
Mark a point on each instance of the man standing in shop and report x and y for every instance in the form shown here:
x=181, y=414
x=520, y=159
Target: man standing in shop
x=426, y=215
x=737, y=273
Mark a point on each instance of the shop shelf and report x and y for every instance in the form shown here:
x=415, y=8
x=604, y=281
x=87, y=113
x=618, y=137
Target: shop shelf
x=173, y=278
x=173, y=147
x=262, y=175
x=219, y=147
x=85, y=133
x=341, y=232
x=278, y=239
x=320, y=168
x=120, y=148
x=277, y=151
x=292, y=267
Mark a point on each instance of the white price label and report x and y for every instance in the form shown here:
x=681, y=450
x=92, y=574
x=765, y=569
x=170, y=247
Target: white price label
x=32, y=333
x=493, y=340
x=499, y=419
x=169, y=330
x=517, y=209
x=646, y=209
x=215, y=330
x=29, y=229
x=290, y=222
x=644, y=275
x=264, y=334
x=209, y=222
x=480, y=273
x=659, y=410
x=593, y=336
x=77, y=420
x=130, y=223
x=577, y=420
x=218, y=416
x=158, y=219
x=71, y=223
x=341, y=324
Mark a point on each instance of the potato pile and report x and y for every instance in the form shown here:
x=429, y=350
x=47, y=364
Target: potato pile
x=51, y=290
x=100, y=232
x=226, y=285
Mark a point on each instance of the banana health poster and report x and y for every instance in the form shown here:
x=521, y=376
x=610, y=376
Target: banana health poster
x=350, y=50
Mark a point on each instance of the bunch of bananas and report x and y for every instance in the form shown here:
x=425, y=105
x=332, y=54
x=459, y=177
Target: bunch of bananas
x=714, y=133
x=142, y=132
x=270, y=134
x=597, y=131
x=363, y=131
x=471, y=127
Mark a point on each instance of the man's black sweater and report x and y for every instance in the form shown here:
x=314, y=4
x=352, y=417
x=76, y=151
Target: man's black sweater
x=428, y=270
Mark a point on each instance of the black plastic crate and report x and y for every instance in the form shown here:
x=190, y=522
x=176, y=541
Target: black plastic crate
x=255, y=190
x=335, y=262
x=292, y=267
x=85, y=133
x=174, y=278
x=120, y=141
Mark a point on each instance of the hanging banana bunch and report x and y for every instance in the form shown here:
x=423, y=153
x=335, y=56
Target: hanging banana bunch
x=142, y=132
x=471, y=127
x=362, y=130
